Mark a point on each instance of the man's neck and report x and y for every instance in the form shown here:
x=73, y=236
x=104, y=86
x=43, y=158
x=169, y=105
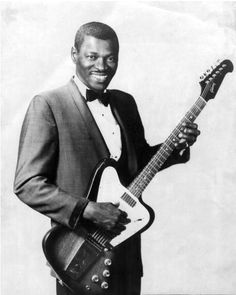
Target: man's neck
x=82, y=87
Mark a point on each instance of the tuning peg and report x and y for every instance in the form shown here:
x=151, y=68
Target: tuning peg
x=208, y=70
x=217, y=63
x=201, y=77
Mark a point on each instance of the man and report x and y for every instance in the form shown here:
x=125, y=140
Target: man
x=68, y=131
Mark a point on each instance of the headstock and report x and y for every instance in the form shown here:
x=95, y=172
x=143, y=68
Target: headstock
x=212, y=79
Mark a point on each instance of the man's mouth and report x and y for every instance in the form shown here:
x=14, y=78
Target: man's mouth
x=99, y=77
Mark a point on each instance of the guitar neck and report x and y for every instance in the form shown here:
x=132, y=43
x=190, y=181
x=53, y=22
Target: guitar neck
x=139, y=184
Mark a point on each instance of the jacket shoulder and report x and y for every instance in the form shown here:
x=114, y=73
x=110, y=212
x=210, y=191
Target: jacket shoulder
x=122, y=98
x=54, y=94
x=120, y=94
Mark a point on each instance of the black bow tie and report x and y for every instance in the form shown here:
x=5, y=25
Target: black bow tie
x=103, y=97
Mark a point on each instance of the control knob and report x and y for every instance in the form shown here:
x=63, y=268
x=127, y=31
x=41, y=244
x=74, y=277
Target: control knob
x=104, y=285
x=95, y=278
x=107, y=261
x=106, y=273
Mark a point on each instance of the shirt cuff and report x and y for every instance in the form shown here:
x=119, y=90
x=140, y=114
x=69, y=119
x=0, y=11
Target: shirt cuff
x=77, y=212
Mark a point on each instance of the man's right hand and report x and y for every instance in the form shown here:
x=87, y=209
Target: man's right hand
x=107, y=216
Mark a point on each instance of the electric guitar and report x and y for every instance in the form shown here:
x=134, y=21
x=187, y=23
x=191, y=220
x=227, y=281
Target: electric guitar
x=82, y=258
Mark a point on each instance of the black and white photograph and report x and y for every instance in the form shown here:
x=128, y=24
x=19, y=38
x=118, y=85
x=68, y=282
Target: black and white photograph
x=118, y=155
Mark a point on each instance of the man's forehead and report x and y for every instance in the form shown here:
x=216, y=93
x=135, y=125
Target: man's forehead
x=93, y=43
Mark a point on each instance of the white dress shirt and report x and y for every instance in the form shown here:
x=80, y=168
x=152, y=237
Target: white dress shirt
x=105, y=120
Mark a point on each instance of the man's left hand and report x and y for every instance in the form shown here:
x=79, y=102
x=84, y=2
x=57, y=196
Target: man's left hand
x=188, y=135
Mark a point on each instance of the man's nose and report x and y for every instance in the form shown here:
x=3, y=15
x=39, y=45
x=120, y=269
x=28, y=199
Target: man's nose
x=101, y=64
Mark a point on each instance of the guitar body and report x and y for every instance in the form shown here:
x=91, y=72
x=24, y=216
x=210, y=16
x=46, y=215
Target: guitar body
x=82, y=258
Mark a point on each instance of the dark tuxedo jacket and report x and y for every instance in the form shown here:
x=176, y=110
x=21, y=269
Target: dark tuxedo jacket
x=60, y=147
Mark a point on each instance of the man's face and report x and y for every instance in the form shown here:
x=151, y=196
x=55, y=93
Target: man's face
x=96, y=62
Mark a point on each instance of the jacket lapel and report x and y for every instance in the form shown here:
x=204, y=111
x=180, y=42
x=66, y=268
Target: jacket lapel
x=92, y=127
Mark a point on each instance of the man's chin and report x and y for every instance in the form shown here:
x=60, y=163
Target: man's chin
x=98, y=86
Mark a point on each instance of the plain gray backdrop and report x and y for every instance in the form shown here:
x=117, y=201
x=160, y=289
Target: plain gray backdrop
x=164, y=48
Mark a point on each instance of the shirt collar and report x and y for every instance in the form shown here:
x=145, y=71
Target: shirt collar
x=82, y=87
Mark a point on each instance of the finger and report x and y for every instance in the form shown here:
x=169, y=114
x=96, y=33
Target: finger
x=191, y=131
x=116, y=204
x=182, y=145
x=188, y=137
x=124, y=220
x=123, y=214
x=120, y=227
x=116, y=229
x=190, y=125
x=187, y=131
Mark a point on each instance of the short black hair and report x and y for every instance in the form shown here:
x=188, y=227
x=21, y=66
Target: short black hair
x=97, y=30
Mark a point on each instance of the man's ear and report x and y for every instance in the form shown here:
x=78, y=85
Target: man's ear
x=74, y=54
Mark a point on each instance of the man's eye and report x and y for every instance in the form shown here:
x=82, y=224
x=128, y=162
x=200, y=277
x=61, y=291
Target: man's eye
x=111, y=59
x=91, y=57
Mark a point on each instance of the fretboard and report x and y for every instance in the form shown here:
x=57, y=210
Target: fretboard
x=139, y=184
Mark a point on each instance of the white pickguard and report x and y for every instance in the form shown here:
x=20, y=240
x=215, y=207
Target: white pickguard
x=111, y=190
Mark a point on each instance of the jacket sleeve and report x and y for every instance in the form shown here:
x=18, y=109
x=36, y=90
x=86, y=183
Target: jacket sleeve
x=37, y=164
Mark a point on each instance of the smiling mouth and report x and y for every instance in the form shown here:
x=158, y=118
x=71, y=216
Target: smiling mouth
x=99, y=77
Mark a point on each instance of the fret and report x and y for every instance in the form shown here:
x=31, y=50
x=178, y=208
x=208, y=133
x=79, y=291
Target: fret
x=165, y=153
x=167, y=147
x=196, y=110
x=174, y=137
x=189, y=117
x=169, y=142
x=200, y=104
x=202, y=100
x=146, y=176
x=150, y=172
x=192, y=112
x=153, y=165
x=162, y=158
x=178, y=129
